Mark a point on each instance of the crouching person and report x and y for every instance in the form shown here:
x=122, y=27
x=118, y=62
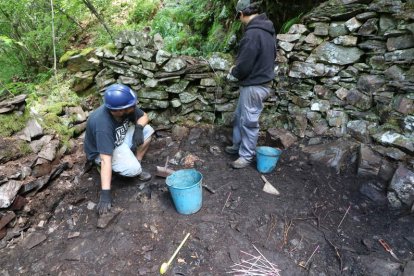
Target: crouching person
x=117, y=138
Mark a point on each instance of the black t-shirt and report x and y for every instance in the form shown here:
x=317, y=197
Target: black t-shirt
x=104, y=133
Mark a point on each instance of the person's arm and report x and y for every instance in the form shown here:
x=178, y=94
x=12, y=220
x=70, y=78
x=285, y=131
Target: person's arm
x=105, y=198
x=106, y=171
x=143, y=120
x=138, y=137
x=245, y=59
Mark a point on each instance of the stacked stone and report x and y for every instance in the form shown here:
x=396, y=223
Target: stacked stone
x=348, y=71
x=170, y=88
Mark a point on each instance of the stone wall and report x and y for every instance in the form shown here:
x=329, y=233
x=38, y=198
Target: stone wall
x=171, y=89
x=346, y=71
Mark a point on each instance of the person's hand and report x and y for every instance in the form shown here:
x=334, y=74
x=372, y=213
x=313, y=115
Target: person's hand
x=138, y=137
x=231, y=78
x=105, y=202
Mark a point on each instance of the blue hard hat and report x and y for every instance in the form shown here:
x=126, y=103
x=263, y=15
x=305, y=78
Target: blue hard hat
x=119, y=96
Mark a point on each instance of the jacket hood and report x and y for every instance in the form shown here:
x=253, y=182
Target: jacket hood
x=261, y=22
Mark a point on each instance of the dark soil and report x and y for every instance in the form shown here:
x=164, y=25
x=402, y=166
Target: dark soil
x=316, y=208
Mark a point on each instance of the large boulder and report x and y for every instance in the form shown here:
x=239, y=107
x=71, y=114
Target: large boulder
x=401, y=188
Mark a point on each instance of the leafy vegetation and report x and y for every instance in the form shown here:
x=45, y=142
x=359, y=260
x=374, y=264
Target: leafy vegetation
x=144, y=11
x=192, y=27
x=27, y=34
x=189, y=27
x=52, y=107
x=12, y=123
x=286, y=26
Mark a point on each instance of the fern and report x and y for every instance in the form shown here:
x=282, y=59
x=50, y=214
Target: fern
x=286, y=26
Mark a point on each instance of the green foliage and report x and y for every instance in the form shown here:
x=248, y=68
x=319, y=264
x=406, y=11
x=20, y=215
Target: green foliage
x=55, y=124
x=24, y=148
x=12, y=123
x=26, y=32
x=10, y=66
x=43, y=76
x=52, y=107
x=286, y=26
x=27, y=36
x=144, y=10
x=66, y=56
x=17, y=88
x=194, y=27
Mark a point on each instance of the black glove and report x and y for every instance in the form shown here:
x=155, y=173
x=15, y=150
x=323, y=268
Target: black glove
x=105, y=202
x=138, y=137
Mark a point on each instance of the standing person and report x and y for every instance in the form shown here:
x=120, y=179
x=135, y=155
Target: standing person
x=254, y=72
x=117, y=138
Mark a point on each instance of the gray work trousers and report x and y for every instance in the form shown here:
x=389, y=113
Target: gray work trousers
x=246, y=119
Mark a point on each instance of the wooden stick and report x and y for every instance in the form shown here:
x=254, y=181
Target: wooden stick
x=275, y=268
x=347, y=210
x=314, y=251
x=226, y=202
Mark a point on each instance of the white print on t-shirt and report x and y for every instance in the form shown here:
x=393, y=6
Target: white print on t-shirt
x=120, y=133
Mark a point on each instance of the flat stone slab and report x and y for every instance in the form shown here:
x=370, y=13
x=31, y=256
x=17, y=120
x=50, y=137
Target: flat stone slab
x=33, y=239
x=105, y=219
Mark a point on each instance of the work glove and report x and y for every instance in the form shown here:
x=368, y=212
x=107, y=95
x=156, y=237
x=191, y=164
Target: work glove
x=105, y=202
x=138, y=137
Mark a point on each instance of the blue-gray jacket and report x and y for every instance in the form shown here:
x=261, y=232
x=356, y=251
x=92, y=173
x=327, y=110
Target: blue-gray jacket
x=255, y=60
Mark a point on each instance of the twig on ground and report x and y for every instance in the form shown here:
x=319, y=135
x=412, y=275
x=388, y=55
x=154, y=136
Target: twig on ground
x=264, y=257
x=337, y=253
x=286, y=232
x=224, y=206
x=318, y=219
x=307, y=262
x=256, y=265
x=272, y=226
x=347, y=210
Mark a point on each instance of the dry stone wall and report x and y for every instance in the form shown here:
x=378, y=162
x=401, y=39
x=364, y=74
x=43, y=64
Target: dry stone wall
x=171, y=89
x=346, y=71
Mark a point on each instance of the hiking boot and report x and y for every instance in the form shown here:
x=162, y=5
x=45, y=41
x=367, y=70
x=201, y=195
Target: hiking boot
x=232, y=149
x=144, y=176
x=240, y=163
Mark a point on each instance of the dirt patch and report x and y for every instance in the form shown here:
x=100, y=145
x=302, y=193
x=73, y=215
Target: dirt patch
x=317, y=211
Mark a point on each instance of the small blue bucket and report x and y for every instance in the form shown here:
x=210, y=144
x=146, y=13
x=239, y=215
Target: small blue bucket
x=267, y=158
x=186, y=190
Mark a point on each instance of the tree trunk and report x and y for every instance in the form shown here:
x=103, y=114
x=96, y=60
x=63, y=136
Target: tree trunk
x=57, y=7
x=53, y=39
x=100, y=18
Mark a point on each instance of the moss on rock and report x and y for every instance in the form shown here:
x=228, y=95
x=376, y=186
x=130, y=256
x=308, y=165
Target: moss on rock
x=12, y=123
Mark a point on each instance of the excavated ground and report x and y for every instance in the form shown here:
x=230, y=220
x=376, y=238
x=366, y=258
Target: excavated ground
x=320, y=224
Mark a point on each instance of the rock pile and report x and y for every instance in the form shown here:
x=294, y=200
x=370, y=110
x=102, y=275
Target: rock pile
x=170, y=88
x=15, y=103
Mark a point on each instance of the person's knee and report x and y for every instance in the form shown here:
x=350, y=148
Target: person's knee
x=251, y=121
x=129, y=170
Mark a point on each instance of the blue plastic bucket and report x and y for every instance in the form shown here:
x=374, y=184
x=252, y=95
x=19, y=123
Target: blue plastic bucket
x=267, y=158
x=186, y=190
